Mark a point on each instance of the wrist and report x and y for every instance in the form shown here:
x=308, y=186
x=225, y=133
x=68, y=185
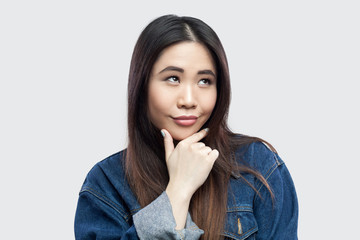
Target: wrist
x=180, y=202
x=181, y=194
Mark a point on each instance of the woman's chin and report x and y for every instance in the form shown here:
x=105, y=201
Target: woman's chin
x=181, y=135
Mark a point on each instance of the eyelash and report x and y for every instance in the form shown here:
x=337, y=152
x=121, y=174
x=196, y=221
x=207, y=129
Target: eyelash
x=208, y=81
x=172, y=78
x=175, y=78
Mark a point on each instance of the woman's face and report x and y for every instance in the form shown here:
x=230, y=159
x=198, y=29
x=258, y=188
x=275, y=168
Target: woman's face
x=182, y=89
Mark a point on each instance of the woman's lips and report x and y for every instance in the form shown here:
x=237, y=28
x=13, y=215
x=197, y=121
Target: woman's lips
x=185, y=120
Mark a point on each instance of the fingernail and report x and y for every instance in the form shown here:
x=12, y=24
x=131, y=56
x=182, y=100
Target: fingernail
x=162, y=133
x=206, y=129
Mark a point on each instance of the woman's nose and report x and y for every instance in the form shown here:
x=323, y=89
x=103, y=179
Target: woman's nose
x=187, y=98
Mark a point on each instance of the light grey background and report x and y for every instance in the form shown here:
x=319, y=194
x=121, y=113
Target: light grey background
x=63, y=69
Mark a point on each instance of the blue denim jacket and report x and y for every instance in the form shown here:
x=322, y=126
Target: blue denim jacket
x=107, y=208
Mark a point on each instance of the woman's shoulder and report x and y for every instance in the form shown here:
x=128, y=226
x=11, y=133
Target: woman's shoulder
x=111, y=167
x=258, y=155
x=107, y=181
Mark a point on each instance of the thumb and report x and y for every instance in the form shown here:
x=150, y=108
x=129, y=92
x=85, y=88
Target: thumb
x=168, y=143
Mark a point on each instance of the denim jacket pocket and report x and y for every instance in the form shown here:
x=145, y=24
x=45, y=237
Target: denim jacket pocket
x=240, y=223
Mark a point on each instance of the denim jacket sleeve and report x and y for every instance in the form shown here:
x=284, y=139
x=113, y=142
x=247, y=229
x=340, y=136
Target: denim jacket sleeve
x=107, y=209
x=97, y=218
x=277, y=218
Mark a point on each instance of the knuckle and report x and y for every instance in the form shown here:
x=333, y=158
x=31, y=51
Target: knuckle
x=214, y=154
x=181, y=146
x=206, y=150
x=193, y=147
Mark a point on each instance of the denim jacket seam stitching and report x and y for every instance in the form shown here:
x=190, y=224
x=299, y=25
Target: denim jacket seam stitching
x=279, y=163
x=268, y=175
x=240, y=209
x=107, y=201
x=134, y=211
x=258, y=181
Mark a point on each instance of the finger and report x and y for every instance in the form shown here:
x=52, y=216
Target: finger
x=196, y=136
x=198, y=145
x=168, y=143
x=206, y=150
x=213, y=155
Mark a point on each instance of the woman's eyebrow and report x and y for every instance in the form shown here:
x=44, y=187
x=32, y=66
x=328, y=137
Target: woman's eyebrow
x=207, y=72
x=172, y=68
x=177, y=69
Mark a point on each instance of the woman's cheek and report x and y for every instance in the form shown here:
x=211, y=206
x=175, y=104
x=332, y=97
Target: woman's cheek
x=209, y=102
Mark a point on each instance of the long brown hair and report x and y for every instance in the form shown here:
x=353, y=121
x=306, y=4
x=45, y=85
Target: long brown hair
x=145, y=161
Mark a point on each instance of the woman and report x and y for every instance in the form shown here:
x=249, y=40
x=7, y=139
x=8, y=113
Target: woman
x=184, y=174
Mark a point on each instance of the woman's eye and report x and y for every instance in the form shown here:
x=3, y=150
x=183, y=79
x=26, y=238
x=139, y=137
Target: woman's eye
x=205, y=82
x=173, y=79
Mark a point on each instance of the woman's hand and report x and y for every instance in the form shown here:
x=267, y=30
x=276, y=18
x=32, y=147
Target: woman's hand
x=189, y=165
